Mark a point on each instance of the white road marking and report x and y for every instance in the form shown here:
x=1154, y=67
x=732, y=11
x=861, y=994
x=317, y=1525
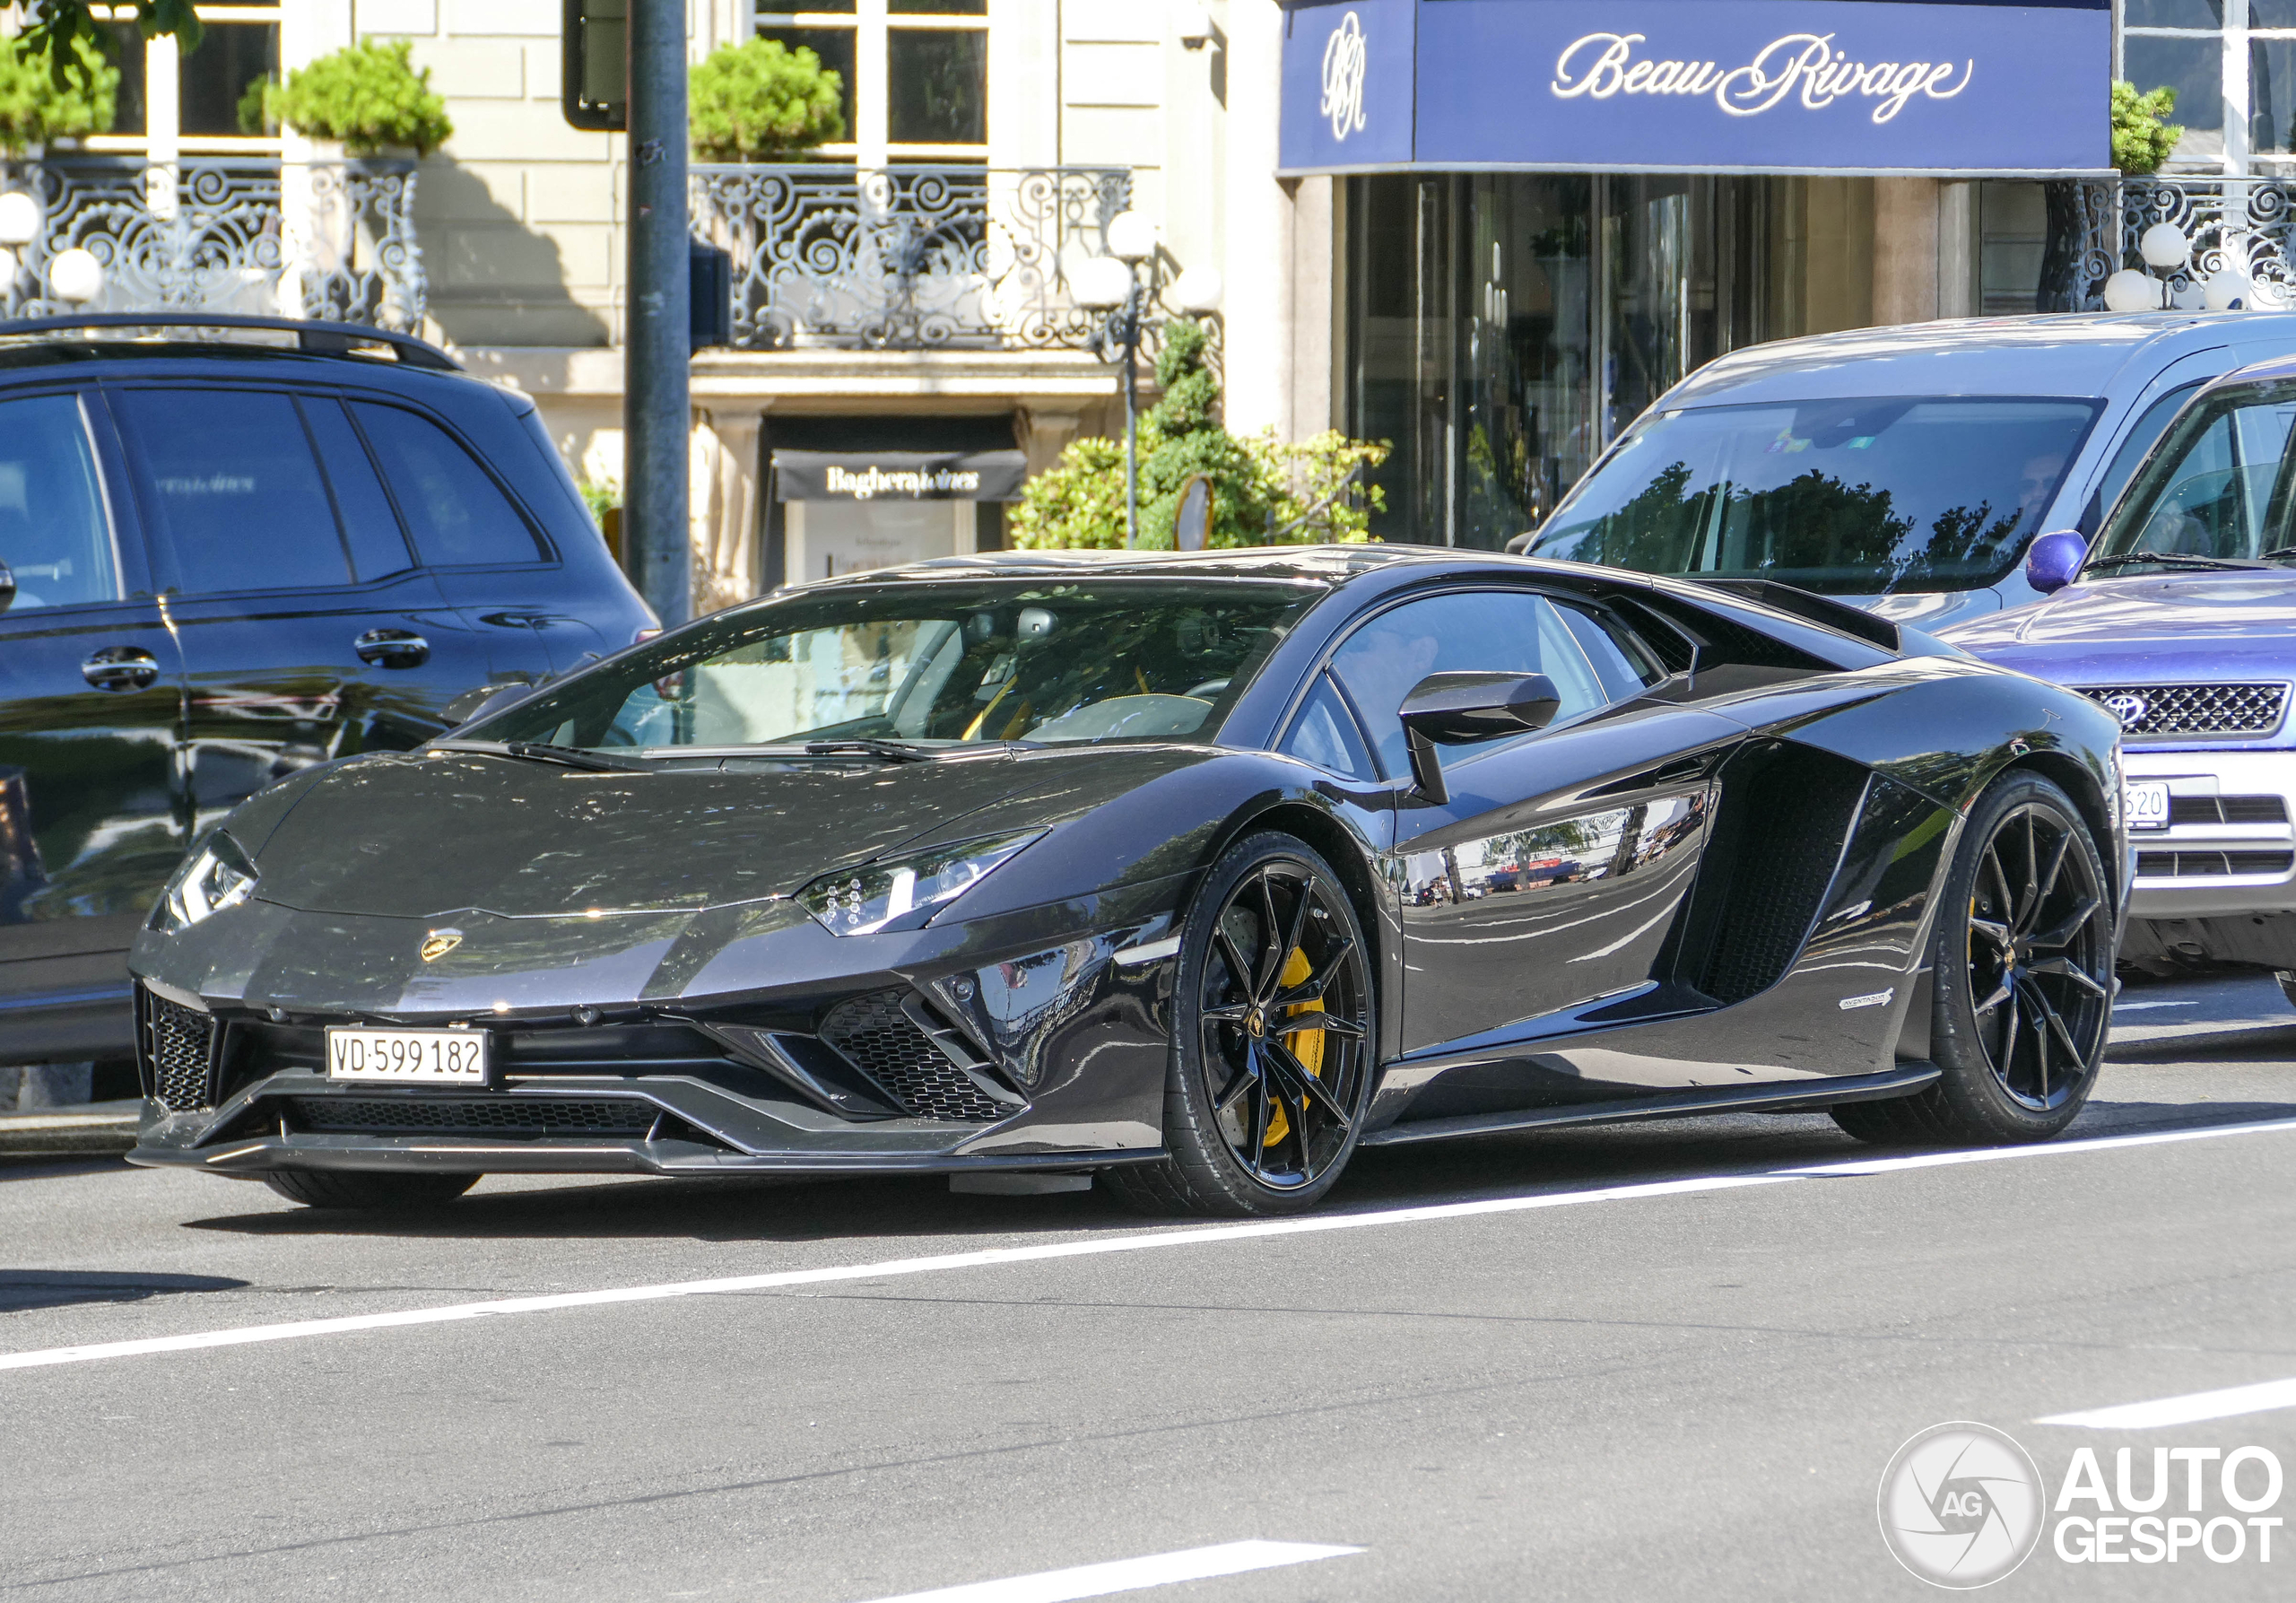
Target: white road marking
x=1131, y=1574
x=1314, y=1224
x=2191, y=1409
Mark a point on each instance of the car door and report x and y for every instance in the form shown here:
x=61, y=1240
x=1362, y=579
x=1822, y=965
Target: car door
x=92, y=815
x=1552, y=876
x=468, y=528
x=307, y=630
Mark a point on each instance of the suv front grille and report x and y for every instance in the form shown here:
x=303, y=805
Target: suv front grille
x=175, y=1043
x=877, y=1035
x=2227, y=809
x=459, y=1114
x=2183, y=864
x=2167, y=712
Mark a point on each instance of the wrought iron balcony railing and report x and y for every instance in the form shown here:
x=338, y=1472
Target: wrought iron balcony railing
x=907, y=258
x=330, y=240
x=2241, y=224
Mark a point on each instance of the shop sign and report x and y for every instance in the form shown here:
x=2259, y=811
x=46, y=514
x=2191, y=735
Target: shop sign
x=1676, y=85
x=898, y=475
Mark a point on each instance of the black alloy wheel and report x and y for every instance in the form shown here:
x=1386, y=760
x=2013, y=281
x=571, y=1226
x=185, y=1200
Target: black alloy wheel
x=2023, y=966
x=1271, y=1068
x=357, y=1188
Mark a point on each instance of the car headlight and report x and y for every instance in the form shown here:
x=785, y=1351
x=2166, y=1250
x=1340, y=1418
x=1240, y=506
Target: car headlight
x=903, y=893
x=218, y=876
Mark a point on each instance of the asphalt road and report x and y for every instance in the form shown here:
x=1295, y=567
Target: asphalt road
x=1604, y=1385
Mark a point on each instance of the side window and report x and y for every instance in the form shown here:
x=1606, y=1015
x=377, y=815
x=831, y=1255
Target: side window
x=1491, y=630
x=231, y=477
x=1625, y=666
x=458, y=514
x=2142, y=434
x=54, y=534
x=369, y=527
x=1324, y=734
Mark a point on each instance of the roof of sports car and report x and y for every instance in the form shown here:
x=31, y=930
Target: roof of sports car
x=1328, y=563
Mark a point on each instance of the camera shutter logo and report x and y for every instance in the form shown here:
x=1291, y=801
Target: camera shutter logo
x=2128, y=707
x=1960, y=1505
x=1346, y=61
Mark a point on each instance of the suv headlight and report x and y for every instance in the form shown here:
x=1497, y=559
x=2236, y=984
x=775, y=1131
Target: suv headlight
x=218, y=876
x=903, y=893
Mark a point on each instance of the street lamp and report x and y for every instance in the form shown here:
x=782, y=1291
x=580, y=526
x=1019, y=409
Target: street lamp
x=76, y=276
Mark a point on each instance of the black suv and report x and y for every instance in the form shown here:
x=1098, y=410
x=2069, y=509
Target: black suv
x=227, y=560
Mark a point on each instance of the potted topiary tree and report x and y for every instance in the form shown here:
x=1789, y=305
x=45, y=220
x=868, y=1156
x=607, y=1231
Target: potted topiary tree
x=39, y=104
x=762, y=101
x=365, y=99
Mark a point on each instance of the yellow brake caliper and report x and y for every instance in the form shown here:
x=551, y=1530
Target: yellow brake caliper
x=1306, y=1045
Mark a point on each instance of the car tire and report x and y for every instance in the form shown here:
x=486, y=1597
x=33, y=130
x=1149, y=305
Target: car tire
x=2023, y=970
x=1262, y=1112
x=350, y=1188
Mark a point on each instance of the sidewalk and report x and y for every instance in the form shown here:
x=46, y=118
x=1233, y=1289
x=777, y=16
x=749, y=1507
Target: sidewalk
x=91, y=1127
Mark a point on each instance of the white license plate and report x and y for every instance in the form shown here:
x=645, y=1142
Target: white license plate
x=408, y=1057
x=2145, y=803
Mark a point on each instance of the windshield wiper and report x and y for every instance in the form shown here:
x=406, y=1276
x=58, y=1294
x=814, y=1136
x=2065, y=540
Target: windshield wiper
x=538, y=750
x=2167, y=559
x=2277, y=552
x=891, y=751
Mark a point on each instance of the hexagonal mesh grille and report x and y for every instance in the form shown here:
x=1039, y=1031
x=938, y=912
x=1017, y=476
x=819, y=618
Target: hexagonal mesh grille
x=2172, y=709
x=175, y=1042
x=884, y=1043
x=474, y=1115
x=2186, y=863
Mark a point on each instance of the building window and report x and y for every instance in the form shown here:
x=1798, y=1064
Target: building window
x=173, y=101
x=916, y=74
x=2232, y=63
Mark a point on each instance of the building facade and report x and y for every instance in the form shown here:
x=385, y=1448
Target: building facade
x=1489, y=231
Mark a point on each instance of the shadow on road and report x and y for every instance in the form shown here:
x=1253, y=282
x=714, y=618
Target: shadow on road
x=21, y=1289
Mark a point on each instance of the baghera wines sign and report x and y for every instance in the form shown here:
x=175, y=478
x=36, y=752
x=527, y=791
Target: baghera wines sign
x=1695, y=85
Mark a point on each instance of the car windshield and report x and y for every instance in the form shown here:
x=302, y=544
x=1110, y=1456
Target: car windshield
x=1851, y=497
x=929, y=665
x=2217, y=487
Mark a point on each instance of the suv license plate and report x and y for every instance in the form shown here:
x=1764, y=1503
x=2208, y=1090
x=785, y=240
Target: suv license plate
x=2145, y=803
x=408, y=1057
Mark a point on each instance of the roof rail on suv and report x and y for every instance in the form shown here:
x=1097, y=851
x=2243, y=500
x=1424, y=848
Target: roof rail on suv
x=318, y=339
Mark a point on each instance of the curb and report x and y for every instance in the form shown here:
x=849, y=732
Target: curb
x=67, y=1132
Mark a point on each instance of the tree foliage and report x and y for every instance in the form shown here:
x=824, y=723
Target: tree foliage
x=2143, y=135
x=1262, y=488
x=370, y=96
x=57, y=30
x=37, y=104
x=759, y=100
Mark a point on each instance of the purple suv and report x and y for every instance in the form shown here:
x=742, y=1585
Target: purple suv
x=2181, y=618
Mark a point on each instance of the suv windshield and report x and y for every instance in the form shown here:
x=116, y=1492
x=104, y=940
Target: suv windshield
x=937, y=664
x=2217, y=487
x=1853, y=497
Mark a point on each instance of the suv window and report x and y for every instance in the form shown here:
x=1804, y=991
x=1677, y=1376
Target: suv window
x=2134, y=444
x=232, y=478
x=369, y=527
x=54, y=535
x=458, y=514
x=1486, y=631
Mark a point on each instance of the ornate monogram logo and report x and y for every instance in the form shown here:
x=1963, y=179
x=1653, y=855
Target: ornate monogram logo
x=438, y=943
x=1346, y=61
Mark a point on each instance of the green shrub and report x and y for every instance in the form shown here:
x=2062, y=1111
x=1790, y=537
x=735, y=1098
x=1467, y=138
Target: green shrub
x=2143, y=135
x=369, y=95
x=757, y=100
x=1299, y=493
x=39, y=104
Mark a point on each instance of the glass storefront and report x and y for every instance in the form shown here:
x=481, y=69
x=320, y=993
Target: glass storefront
x=1503, y=329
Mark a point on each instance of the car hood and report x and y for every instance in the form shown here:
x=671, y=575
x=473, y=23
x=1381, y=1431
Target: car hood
x=2181, y=626
x=418, y=835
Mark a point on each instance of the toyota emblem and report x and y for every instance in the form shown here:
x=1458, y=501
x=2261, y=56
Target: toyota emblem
x=2128, y=707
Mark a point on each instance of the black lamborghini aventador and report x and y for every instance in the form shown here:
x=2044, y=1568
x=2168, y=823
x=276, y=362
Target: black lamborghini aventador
x=1193, y=874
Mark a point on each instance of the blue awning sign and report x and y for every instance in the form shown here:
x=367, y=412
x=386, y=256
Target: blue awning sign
x=1944, y=86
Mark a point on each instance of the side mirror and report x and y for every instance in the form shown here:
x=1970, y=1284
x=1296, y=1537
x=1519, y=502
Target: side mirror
x=7, y=587
x=1459, y=708
x=2053, y=560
